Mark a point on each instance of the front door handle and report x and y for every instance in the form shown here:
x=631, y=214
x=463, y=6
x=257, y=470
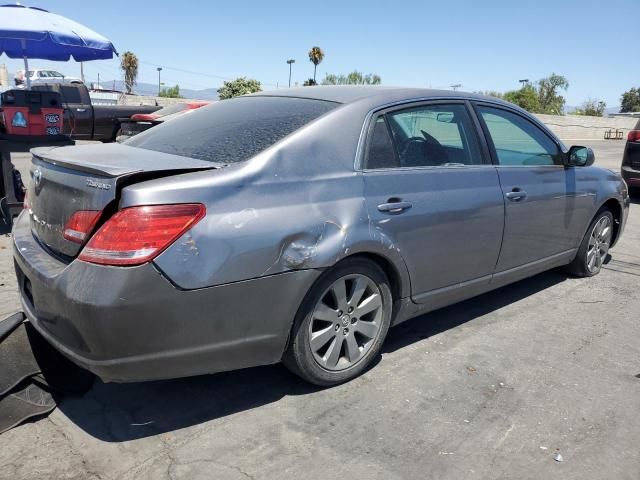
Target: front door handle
x=516, y=195
x=394, y=206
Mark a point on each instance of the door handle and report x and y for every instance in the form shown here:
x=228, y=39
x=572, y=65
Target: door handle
x=394, y=206
x=516, y=195
x=81, y=110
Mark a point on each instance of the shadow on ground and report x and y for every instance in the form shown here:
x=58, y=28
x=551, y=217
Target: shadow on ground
x=120, y=412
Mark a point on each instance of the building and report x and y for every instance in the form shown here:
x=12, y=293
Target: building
x=4, y=76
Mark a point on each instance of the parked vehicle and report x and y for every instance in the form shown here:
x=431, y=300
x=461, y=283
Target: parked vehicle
x=140, y=122
x=631, y=161
x=84, y=121
x=299, y=225
x=39, y=76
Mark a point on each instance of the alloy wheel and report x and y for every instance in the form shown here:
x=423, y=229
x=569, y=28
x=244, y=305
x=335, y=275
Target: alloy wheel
x=345, y=322
x=599, y=243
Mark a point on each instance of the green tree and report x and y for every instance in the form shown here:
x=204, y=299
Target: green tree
x=526, y=97
x=129, y=65
x=316, y=55
x=549, y=99
x=630, y=101
x=309, y=83
x=171, y=92
x=353, y=78
x=237, y=87
x=591, y=108
x=490, y=93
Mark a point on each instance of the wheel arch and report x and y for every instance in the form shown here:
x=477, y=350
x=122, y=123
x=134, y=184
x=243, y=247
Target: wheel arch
x=396, y=281
x=614, y=206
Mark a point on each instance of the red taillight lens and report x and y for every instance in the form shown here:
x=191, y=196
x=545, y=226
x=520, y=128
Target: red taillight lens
x=137, y=235
x=80, y=225
x=634, y=136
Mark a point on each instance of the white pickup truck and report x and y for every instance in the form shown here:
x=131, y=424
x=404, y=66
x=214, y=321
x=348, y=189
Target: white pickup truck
x=43, y=76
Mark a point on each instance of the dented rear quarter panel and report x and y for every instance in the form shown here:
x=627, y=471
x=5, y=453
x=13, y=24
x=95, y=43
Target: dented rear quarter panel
x=297, y=205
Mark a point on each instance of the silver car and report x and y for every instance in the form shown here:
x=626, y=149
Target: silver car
x=299, y=225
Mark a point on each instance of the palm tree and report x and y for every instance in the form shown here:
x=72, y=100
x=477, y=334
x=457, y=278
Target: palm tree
x=316, y=55
x=129, y=65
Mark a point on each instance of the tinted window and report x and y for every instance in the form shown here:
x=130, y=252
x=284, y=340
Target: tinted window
x=232, y=130
x=70, y=94
x=380, y=150
x=518, y=141
x=434, y=135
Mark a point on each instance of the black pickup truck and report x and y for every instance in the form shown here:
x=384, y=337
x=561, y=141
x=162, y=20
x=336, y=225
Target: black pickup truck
x=84, y=121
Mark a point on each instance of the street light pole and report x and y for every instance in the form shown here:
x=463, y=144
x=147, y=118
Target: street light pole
x=159, y=70
x=456, y=86
x=523, y=82
x=290, y=62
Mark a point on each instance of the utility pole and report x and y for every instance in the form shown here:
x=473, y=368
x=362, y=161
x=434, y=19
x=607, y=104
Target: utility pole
x=99, y=81
x=523, y=82
x=291, y=61
x=159, y=70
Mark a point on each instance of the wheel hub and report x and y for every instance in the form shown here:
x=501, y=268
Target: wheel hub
x=345, y=322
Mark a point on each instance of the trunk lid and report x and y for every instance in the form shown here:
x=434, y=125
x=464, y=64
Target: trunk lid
x=65, y=180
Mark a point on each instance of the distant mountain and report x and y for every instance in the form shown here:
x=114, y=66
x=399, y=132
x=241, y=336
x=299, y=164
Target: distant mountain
x=151, y=89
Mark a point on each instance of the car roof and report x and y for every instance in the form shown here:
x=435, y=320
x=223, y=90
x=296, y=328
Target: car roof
x=379, y=94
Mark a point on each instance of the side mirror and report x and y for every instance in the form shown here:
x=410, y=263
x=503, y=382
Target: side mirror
x=580, y=157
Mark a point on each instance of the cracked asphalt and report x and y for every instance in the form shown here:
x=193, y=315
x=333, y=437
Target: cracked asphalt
x=490, y=388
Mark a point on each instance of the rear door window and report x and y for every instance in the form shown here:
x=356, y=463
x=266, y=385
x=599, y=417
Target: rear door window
x=428, y=135
x=232, y=130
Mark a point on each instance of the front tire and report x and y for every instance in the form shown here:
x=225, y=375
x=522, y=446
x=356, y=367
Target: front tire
x=342, y=323
x=594, y=247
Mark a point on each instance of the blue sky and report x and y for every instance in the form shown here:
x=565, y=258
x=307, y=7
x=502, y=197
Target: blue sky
x=483, y=45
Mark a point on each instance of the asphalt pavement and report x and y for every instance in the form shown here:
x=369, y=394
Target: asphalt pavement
x=495, y=387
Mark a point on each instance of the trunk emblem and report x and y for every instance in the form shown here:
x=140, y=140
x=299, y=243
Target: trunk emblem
x=96, y=184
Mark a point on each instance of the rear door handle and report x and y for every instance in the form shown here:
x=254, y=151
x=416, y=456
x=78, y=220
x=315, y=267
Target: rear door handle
x=394, y=207
x=516, y=195
x=81, y=110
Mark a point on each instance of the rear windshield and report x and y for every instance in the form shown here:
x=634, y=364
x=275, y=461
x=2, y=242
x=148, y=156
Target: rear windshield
x=232, y=130
x=70, y=94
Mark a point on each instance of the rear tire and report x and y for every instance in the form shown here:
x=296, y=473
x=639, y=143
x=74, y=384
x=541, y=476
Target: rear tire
x=594, y=246
x=342, y=323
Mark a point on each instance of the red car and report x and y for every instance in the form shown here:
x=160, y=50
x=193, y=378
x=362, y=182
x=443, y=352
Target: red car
x=140, y=122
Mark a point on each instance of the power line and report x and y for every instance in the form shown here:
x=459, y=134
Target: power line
x=190, y=72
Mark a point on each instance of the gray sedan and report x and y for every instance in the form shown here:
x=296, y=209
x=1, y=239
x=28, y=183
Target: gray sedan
x=298, y=226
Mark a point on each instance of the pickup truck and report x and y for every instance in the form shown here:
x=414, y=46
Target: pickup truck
x=84, y=121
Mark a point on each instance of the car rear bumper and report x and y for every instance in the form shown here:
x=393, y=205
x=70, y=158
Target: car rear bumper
x=631, y=176
x=132, y=324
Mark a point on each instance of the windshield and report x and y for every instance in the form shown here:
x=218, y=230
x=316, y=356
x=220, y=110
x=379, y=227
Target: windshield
x=178, y=107
x=232, y=130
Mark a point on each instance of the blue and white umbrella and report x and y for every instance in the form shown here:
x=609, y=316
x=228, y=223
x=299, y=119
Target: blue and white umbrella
x=30, y=32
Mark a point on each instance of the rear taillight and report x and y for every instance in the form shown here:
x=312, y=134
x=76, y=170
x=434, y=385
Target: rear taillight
x=634, y=136
x=80, y=225
x=136, y=235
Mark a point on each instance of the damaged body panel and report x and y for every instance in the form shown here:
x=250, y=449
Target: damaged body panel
x=203, y=244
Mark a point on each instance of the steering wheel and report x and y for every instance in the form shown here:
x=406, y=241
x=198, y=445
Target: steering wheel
x=405, y=143
x=411, y=151
x=435, y=151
